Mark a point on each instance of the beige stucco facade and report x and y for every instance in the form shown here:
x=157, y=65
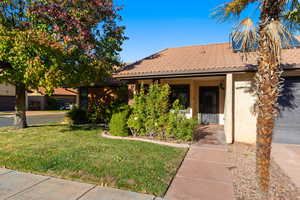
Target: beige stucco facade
x=241, y=127
x=236, y=101
x=244, y=125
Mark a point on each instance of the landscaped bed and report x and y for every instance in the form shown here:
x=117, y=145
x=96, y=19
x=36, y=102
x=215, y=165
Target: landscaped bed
x=80, y=153
x=242, y=157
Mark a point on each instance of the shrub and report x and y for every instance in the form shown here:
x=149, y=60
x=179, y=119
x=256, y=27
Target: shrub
x=76, y=116
x=152, y=116
x=178, y=126
x=118, y=124
x=137, y=119
x=104, y=102
x=157, y=109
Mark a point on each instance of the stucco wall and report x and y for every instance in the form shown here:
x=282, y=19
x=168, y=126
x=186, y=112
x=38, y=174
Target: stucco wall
x=7, y=90
x=244, y=117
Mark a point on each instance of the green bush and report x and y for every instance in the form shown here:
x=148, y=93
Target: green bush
x=102, y=107
x=150, y=111
x=76, y=116
x=178, y=126
x=137, y=119
x=118, y=124
x=153, y=116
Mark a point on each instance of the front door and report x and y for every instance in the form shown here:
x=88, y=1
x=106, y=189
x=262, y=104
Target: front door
x=209, y=105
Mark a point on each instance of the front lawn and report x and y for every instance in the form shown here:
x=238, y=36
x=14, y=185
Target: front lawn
x=80, y=153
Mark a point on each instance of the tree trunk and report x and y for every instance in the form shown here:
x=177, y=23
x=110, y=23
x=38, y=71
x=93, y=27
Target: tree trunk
x=268, y=89
x=20, y=118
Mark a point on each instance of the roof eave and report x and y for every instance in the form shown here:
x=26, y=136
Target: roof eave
x=185, y=74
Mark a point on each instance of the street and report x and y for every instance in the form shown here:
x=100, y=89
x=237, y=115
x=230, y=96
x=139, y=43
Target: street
x=34, y=119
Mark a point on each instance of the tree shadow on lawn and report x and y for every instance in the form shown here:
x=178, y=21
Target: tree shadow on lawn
x=85, y=127
x=46, y=125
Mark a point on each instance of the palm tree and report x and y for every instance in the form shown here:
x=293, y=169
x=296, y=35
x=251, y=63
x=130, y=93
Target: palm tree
x=269, y=38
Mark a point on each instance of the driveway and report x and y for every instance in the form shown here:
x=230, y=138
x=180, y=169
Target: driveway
x=287, y=156
x=289, y=137
x=24, y=186
x=33, y=119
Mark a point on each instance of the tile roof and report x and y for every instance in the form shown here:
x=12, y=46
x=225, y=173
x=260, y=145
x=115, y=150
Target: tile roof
x=200, y=59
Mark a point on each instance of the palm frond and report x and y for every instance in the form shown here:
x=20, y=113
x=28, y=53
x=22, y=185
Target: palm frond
x=291, y=15
x=231, y=9
x=245, y=35
x=291, y=19
x=278, y=37
x=291, y=4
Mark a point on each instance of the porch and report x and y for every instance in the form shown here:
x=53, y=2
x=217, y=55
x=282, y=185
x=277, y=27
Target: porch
x=202, y=97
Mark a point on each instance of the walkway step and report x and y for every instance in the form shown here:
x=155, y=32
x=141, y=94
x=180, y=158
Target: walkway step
x=208, y=154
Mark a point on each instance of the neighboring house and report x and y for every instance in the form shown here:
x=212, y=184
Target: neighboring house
x=7, y=97
x=61, y=98
x=216, y=86
x=106, y=92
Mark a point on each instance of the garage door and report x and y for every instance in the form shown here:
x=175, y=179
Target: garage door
x=7, y=103
x=287, y=128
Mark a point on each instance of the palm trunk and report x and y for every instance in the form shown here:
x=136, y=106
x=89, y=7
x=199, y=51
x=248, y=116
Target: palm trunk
x=20, y=118
x=268, y=88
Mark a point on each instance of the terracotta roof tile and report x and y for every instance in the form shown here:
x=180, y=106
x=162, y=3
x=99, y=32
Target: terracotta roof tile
x=200, y=59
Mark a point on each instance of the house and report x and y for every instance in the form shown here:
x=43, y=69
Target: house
x=61, y=98
x=7, y=97
x=215, y=84
x=105, y=92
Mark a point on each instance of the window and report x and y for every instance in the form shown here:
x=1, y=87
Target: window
x=182, y=93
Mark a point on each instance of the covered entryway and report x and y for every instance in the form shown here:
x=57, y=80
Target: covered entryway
x=209, y=105
x=287, y=127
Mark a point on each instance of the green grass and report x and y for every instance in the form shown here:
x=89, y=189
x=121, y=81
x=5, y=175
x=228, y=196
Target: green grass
x=80, y=153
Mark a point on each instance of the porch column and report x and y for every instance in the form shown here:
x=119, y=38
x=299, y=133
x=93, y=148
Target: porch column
x=194, y=98
x=132, y=88
x=229, y=116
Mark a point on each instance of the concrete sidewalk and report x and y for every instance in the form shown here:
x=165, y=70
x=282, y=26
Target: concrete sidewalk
x=24, y=186
x=287, y=156
x=204, y=174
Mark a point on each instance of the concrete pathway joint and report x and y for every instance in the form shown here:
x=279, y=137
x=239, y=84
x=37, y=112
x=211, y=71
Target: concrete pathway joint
x=24, y=186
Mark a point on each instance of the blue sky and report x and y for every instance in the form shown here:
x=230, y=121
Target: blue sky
x=158, y=24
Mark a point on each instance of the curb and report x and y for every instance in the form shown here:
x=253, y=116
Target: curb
x=104, y=134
